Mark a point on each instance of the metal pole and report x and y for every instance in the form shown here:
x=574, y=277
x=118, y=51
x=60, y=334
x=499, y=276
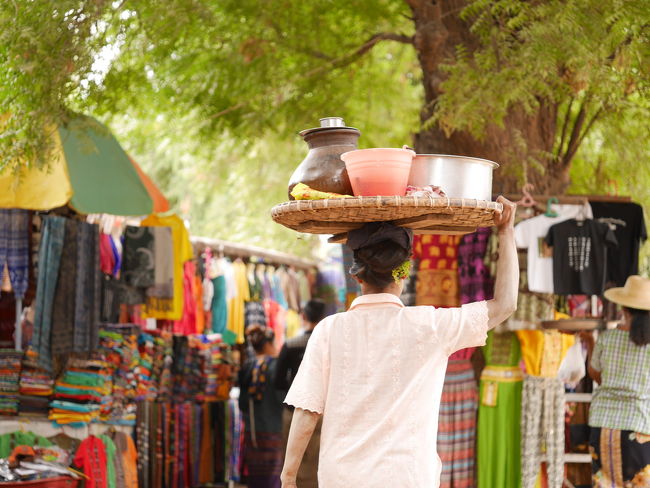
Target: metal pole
x=18, y=332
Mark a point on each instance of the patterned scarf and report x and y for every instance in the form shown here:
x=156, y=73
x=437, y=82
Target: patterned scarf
x=258, y=383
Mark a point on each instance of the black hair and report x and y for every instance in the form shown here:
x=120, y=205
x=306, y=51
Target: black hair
x=639, y=326
x=374, y=264
x=258, y=335
x=314, y=310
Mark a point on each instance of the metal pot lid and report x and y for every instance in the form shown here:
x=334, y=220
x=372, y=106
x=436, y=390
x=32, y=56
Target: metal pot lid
x=456, y=156
x=329, y=123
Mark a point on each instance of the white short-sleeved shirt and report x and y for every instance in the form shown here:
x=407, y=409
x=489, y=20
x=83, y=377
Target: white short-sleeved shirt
x=376, y=373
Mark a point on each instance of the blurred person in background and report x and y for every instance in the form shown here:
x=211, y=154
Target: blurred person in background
x=261, y=407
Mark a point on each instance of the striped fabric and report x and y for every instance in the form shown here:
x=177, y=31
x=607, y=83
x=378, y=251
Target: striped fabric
x=457, y=425
x=264, y=459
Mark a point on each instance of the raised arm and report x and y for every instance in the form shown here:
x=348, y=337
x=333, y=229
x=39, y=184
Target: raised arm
x=506, y=286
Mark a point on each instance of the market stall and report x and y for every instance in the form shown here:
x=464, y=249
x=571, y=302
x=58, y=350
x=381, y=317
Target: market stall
x=122, y=336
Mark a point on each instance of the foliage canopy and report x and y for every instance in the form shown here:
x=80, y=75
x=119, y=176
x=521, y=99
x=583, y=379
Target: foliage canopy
x=203, y=92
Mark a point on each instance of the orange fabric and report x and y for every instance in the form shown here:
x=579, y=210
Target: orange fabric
x=160, y=203
x=198, y=301
x=129, y=463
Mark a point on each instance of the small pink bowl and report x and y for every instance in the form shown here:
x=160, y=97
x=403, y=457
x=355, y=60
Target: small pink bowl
x=378, y=171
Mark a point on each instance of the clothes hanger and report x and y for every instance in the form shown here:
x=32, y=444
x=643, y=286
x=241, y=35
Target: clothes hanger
x=527, y=200
x=549, y=209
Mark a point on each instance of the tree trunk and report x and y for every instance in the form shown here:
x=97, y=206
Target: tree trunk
x=523, y=147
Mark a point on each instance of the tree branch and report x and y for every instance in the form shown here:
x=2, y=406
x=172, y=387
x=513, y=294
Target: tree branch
x=569, y=156
x=565, y=125
x=574, y=138
x=414, y=4
x=360, y=51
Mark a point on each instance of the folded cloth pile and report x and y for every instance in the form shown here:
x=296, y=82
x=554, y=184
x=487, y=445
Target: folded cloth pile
x=119, y=348
x=10, y=364
x=36, y=386
x=153, y=373
x=80, y=393
x=216, y=373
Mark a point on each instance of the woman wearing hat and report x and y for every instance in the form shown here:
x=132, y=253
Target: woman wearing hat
x=375, y=373
x=620, y=410
x=261, y=406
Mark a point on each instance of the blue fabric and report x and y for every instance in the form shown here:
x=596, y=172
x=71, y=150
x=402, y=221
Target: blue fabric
x=219, y=305
x=14, y=248
x=49, y=259
x=74, y=407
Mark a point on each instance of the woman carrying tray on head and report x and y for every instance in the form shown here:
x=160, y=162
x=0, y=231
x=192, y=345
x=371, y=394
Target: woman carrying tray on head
x=375, y=373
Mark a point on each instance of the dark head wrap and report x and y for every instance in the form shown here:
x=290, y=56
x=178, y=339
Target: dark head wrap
x=376, y=233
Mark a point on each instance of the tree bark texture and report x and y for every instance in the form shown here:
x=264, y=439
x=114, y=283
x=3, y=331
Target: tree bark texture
x=438, y=31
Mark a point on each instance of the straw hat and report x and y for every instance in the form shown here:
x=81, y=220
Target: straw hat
x=635, y=293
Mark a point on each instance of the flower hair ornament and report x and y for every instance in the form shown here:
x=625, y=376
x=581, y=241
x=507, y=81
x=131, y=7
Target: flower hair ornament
x=402, y=271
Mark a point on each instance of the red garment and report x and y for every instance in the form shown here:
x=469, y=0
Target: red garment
x=187, y=324
x=106, y=256
x=462, y=354
x=437, y=279
x=276, y=320
x=91, y=458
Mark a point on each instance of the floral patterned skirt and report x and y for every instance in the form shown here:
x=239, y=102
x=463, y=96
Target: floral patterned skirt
x=620, y=458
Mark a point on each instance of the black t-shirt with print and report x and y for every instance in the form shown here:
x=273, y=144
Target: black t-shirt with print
x=630, y=231
x=580, y=256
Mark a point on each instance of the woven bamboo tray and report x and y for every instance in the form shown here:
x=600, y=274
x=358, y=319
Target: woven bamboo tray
x=425, y=215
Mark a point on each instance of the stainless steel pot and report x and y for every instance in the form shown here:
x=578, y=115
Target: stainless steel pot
x=458, y=176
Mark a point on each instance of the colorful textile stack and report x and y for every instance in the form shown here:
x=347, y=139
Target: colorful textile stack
x=10, y=363
x=216, y=371
x=118, y=347
x=36, y=386
x=153, y=373
x=81, y=394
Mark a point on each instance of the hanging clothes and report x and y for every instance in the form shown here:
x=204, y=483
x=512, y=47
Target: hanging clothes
x=91, y=458
x=88, y=295
x=111, y=471
x=163, y=308
x=219, y=305
x=49, y=260
x=437, y=282
x=543, y=405
x=15, y=248
x=163, y=280
x=187, y=324
x=475, y=281
x=499, y=413
x=236, y=323
x=63, y=305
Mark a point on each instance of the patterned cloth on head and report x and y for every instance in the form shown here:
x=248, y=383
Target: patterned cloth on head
x=14, y=247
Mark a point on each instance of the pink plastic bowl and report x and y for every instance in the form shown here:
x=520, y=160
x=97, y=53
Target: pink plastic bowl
x=378, y=171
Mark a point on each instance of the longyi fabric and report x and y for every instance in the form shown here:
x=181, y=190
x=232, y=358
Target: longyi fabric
x=49, y=261
x=88, y=298
x=14, y=247
x=457, y=425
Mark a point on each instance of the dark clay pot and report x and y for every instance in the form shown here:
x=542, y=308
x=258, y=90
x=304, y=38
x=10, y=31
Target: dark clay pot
x=323, y=168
